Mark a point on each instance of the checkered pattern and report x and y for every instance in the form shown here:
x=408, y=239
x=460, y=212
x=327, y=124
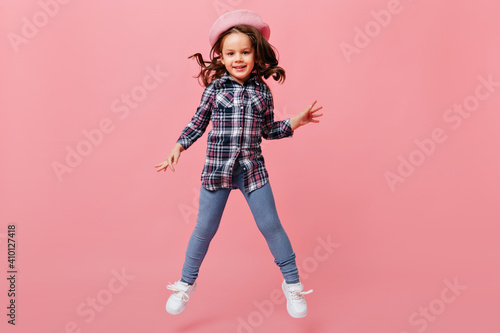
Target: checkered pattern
x=241, y=116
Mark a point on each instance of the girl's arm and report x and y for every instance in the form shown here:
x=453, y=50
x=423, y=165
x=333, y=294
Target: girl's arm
x=198, y=124
x=272, y=130
x=306, y=116
x=193, y=131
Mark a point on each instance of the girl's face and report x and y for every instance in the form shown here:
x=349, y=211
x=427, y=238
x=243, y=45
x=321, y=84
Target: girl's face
x=238, y=56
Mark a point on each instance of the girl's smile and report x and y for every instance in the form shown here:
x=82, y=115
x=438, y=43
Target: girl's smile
x=238, y=56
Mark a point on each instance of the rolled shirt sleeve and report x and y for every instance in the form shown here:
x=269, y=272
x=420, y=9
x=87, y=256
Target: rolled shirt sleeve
x=272, y=130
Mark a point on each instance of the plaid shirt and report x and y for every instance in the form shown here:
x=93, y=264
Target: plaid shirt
x=241, y=116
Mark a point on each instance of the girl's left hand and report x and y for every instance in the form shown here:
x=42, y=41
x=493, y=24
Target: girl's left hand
x=306, y=116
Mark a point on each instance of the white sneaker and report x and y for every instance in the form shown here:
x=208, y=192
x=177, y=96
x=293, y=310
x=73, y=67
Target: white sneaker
x=178, y=300
x=295, y=302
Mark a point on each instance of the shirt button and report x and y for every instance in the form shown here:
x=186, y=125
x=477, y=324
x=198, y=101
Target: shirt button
x=242, y=107
x=241, y=128
x=237, y=149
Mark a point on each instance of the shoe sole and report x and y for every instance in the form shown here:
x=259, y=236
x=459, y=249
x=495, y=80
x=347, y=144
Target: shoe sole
x=288, y=306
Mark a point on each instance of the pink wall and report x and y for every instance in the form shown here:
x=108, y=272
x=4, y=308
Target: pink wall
x=391, y=202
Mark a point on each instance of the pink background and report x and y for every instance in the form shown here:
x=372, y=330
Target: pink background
x=395, y=249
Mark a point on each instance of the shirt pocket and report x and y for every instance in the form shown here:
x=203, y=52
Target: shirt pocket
x=224, y=104
x=258, y=108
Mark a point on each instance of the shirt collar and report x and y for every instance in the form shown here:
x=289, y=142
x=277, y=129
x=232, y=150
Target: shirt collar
x=253, y=78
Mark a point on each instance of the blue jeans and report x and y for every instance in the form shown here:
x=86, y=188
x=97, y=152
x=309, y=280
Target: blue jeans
x=262, y=205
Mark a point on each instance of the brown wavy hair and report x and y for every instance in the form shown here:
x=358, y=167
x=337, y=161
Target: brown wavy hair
x=266, y=63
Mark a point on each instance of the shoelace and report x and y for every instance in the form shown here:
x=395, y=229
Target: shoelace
x=298, y=295
x=178, y=291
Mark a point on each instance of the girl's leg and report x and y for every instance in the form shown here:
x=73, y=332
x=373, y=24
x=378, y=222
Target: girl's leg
x=210, y=210
x=263, y=207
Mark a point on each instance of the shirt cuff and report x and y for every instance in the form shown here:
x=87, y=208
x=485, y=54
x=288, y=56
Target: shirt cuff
x=288, y=128
x=184, y=142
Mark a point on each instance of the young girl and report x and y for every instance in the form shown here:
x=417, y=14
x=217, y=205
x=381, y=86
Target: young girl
x=240, y=106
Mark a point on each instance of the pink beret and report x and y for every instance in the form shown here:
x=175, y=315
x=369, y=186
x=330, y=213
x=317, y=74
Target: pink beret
x=236, y=17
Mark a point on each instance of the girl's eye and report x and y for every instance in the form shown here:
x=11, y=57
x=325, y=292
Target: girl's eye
x=230, y=53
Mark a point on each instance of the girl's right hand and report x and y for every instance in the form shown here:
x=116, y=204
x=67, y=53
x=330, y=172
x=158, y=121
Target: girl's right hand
x=172, y=159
